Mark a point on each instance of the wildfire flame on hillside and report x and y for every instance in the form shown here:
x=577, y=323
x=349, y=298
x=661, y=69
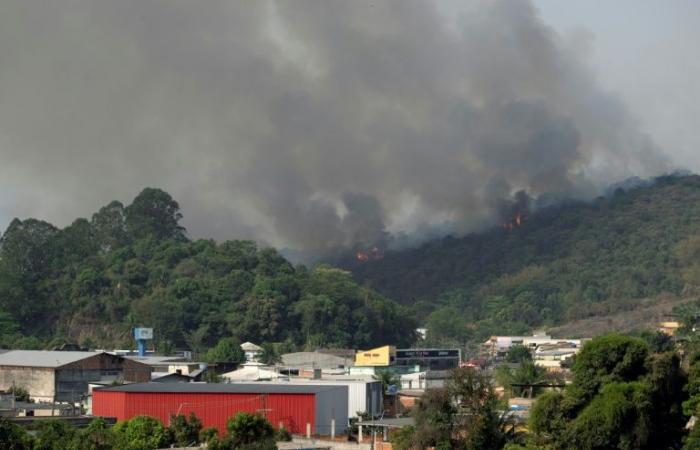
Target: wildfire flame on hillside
x=517, y=220
x=373, y=254
x=515, y=211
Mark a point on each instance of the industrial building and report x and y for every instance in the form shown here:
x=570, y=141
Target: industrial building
x=313, y=408
x=547, y=352
x=55, y=376
x=405, y=360
x=429, y=358
x=364, y=396
x=376, y=357
x=497, y=346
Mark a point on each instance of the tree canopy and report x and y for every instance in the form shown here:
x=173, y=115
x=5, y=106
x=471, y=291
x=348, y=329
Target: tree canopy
x=622, y=397
x=93, y=281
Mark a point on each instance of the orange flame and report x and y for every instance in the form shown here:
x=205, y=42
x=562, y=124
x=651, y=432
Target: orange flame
x=373, y=254
x=516, y=221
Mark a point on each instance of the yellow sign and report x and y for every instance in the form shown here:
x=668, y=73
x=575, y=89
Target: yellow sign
x=380, y=356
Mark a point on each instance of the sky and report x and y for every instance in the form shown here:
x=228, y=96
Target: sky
x=325, y=125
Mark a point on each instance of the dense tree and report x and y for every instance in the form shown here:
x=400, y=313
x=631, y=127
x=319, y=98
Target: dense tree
x=133, y=266
x=153, y=213
x=96, y=436
x=658, y=342
x=55, y=435
x=184, y=430
x=13, y=437
x=226, y=350
x=518, y=353
x=140, y=433
x=692, y=441
x=480, y=423
x=547, y=418
x=619, y=417
x=248, y=432
x=465, y=415
x=607, y=359
x=526, y=373
x=433, y=417
x=26, y=255
x=622, y=397
x=109, y=227
x=403, y=438
x=692, y=405
x=270, y=355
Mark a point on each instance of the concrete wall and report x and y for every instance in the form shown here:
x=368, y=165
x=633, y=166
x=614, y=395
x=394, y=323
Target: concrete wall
x=38, y=381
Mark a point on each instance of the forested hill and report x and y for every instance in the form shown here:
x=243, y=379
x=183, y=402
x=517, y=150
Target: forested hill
x=564, y=262
x=91, y=282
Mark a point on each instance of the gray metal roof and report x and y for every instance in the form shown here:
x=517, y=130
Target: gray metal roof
x=315, y=359
x=398, y=422
x=222, y=388
x=42, y=358
x=159, y=360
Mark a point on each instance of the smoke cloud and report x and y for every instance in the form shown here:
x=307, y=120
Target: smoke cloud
x=308, y=124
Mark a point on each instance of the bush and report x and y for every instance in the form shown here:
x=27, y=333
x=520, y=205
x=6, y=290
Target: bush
x=283, y=435
x=13, y=437
x=184, y=431
x=140, y=433
x=208, y=434
x=96, y=436
x=402, y=439
x=21, y=394
x=54, y=435
x=245, y=428
x=547, y=418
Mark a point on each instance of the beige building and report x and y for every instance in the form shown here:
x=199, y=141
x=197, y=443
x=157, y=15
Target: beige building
x=55, y=376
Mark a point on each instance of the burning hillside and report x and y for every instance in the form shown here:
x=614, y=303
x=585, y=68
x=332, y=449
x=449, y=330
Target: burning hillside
x=517, y=220
x=514, y=212
x=372, y=254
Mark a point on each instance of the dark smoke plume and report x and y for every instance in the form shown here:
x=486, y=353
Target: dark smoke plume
x=314, y=125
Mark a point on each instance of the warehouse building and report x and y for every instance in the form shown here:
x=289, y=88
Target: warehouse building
x=364, y=396
x=405, y=360
x=55, y=376
x=318, y=409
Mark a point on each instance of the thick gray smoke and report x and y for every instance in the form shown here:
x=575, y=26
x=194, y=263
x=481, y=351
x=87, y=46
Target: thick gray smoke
x=312, y=124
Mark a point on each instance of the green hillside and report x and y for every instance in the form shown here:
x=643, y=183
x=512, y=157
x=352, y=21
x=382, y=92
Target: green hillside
x=94, y=280
x=563, y=263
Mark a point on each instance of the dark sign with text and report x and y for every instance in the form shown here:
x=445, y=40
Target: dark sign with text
x=427, y=353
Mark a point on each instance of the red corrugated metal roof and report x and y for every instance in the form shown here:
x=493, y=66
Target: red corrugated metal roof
x=219, y=388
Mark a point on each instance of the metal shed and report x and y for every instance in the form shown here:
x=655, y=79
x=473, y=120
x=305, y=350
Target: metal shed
x=292, y=406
